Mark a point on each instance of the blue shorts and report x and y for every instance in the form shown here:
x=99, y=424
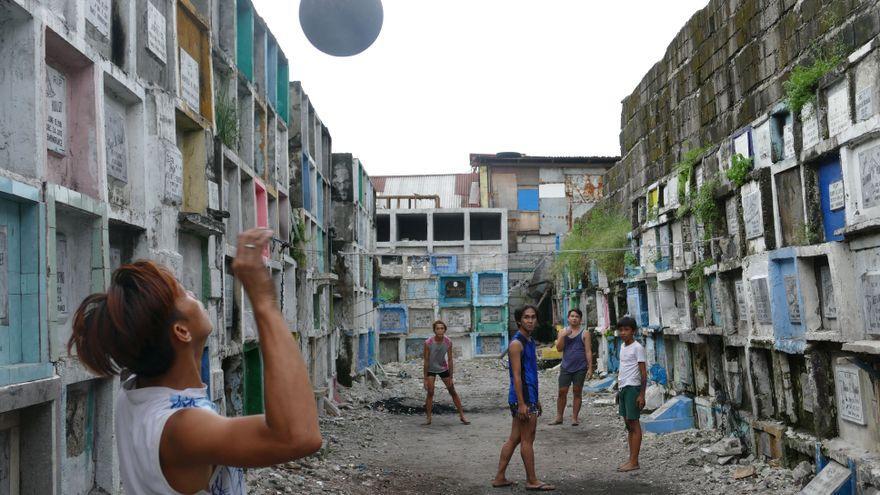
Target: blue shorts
x=534, y=410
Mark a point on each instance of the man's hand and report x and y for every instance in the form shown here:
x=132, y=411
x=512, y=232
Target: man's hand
x=640, y=401
x=250, y=269
x=522, y=412
x=540, y=408
x=589, y=375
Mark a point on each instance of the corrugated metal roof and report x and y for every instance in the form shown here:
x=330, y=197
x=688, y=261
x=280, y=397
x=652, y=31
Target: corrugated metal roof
x=453, y=189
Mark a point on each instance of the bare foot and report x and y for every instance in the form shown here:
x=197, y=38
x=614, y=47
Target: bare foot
x=555, y=422
x=427, y=423
x=628, y=467
x=464, y=421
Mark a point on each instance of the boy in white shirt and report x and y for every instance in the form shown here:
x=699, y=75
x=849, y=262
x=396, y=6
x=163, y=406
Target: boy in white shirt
x=632, y=379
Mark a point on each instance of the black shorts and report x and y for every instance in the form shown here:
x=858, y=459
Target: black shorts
x=567, y=379
x=441, y=374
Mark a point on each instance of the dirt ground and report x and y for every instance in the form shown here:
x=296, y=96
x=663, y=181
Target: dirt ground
x=378, y=445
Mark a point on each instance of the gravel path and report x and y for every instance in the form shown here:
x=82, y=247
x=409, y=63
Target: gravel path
x=379, y=446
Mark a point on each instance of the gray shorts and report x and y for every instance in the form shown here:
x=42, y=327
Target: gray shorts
x=566, y=379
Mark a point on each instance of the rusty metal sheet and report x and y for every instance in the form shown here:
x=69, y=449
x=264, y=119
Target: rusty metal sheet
x=583, y=188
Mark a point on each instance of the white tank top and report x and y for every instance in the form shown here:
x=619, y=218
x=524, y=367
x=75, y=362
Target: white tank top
x=141, y=414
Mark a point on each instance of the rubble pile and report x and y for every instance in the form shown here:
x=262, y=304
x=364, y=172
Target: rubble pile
x=708, y=460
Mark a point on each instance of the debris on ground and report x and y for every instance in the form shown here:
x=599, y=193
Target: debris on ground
x=377, y=444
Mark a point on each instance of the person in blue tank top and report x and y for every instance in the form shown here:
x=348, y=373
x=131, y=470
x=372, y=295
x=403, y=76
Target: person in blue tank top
x=577, y=365
x=525, y=404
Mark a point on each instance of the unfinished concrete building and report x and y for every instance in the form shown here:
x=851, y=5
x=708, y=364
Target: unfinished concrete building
x=753, y=271
x=353, y=202
x=439, y=259
x=543, y=195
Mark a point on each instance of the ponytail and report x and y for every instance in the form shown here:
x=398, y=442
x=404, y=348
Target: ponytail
x=128, y=327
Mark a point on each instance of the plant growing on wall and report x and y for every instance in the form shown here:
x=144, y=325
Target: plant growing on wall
x=226, y=114
x=685, y=170
x=629, y=259
x=298, y=241
x=739, y=169
x=705, y=207
x=696, y=282
x=600, y=236
x=387, y=295
x=801, y=86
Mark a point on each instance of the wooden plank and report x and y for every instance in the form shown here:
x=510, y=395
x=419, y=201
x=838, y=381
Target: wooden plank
x=192, y=37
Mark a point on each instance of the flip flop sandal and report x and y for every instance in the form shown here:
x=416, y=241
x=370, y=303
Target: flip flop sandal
x=543, y=487
x=555, y=423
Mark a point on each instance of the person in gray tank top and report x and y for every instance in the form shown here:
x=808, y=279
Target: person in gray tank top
x=437, y=350
x=577, y=364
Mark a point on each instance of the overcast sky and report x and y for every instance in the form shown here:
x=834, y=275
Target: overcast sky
x=453, y=77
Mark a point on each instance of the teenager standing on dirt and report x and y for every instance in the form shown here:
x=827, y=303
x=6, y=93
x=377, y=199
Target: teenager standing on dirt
x=632, y=380
x=577, y=365
x=525, y=404
x=437, y=350
x=169, y=438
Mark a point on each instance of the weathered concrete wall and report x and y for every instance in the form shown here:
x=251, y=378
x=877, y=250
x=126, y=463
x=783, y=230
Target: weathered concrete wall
x=789, y=285
x=107, y=145
x=724, y=69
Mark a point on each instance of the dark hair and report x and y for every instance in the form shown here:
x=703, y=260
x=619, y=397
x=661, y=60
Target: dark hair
x=518, y=314
x=439, y=322
x=627, y=321
x=575, y=310
x=128, y=327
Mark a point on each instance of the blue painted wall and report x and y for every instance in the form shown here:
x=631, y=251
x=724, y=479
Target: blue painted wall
x=446, y=301
x=421, y=290
x=477, y=341
x=24, y=349
x=272, y=71
x=245, y=38
x=481, y=299
x=445, y=264
x=400, y=326
x=206, y=369
x=788, y=336
x=363, y=355
x=306, y=182
x=637, y=303
x=527, y=199
x=282, y=88
x=613, y=354
x=830, y=173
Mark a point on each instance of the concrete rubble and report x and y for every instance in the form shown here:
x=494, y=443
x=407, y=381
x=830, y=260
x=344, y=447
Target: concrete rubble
x=364, y=446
